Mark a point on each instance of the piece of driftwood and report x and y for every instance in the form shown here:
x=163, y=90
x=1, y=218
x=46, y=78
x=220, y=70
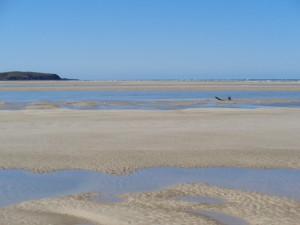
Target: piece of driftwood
x=221, y=99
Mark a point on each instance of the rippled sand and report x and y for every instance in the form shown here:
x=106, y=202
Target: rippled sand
x=163, y=207
x=123, y=141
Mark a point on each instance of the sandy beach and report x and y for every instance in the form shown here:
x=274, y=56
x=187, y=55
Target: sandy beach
x=148, y=86
x=163, y=207
x=123, y=141
x=43, y=139
x=150, y=112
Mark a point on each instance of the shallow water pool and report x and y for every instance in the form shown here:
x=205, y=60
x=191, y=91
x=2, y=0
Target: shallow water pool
x=19, y=185
x=161, y=100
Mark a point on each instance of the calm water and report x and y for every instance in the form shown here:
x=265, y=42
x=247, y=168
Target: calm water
x=18, y=185
x=152, y=99
x=220, y=217
x=28, y=96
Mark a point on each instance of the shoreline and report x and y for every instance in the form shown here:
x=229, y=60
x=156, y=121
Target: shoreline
x=155, y=105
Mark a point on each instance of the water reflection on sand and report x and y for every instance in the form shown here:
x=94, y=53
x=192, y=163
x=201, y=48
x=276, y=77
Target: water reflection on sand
x=17, y=185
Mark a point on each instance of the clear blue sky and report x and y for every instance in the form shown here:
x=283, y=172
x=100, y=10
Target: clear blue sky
x=152, y=39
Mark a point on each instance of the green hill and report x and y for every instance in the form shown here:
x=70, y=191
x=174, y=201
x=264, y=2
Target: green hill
x=16, y=75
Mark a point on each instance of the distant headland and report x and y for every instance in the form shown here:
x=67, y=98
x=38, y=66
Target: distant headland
x=18, y=75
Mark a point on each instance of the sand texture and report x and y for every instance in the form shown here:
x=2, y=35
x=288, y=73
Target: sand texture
x=147, y=86
x=160, y=208
x=123, y=141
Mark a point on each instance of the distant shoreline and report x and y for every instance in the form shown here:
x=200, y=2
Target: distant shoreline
x=78, y=85
x=204, y=80
x=44, y=76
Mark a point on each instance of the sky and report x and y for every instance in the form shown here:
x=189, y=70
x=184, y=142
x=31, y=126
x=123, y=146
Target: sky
x=152, y=39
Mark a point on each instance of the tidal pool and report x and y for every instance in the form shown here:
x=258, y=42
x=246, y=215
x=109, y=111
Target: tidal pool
x=220, y=217
x=149, y=100
x=19, y=185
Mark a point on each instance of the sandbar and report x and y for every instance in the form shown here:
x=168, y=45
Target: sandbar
x=161, y=207
x=149, y=86
x=119, y=142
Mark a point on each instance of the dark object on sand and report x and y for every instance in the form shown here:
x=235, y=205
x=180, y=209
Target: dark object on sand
x=219, y=99
x=28, y=76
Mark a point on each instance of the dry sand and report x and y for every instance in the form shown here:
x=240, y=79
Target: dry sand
x=123, y=141
x=147, y=86
x=159, y=208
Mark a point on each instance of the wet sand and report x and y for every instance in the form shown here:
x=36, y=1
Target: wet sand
x=162, y=207
x=44, y=138
x=124, y=141
x=148, y=86
x=17, y=186
x=152, y=105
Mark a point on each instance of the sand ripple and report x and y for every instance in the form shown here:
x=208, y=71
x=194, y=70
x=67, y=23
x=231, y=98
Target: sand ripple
x=162, y=207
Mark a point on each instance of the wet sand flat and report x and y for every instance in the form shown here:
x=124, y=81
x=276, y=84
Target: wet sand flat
x=148, y=86
x=162, y=207
x=119, y=142
x=123, y=141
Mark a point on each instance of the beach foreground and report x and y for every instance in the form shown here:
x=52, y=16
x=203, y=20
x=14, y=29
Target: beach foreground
x=162, y=207
x=124, y=141
x=120, y=142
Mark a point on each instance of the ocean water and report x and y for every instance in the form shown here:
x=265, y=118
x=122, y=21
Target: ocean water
x=150, y=99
